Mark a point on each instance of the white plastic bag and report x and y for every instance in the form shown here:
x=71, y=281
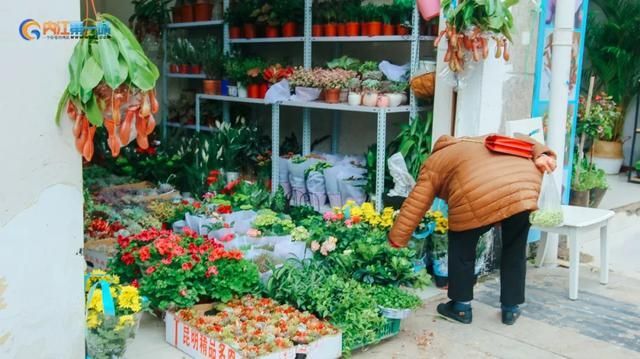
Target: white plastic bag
x=278, y=92
x=402, y=179
x=306, y=93
x=549, y=213
x=394, y=72
x=316, y=189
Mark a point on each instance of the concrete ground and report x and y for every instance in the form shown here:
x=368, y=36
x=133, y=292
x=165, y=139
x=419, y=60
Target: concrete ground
x=603, y=323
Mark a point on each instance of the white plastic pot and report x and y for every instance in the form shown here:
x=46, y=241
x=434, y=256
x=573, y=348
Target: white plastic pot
x=242, y=91
x=232, y=176
x=370, y=99
x=233, y=90
x=610, y=166
x=395, y=99
x=354, y=99
x=307, y=93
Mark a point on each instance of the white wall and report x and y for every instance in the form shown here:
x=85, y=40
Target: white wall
x=41, y=276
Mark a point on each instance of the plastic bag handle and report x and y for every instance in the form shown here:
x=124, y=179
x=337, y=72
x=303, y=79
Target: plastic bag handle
x=107, y=300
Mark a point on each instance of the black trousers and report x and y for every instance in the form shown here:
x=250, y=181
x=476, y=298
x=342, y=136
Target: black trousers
x=513, y=264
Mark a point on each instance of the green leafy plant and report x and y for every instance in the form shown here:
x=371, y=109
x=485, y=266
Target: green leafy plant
x=604, y=121
x=414, y=142
x=265, y=15
x=394, y=297
x=486, y=15
x=288, y=10
x=211, y=58
x=149, y=16
x=345, y=62
x=612, y=48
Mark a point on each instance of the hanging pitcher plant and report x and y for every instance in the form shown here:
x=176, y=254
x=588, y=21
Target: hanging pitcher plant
x=111, y=84
x=470, y=24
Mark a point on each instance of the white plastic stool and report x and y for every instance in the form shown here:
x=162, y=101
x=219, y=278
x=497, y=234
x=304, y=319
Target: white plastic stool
x=577, y=221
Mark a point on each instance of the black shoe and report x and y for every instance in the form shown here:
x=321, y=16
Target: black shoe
x=447, y=310
x=509, y=317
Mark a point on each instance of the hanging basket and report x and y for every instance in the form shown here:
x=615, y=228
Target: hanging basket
x=424, y=86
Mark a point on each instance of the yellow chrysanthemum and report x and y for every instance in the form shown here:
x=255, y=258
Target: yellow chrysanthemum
x=129, y=299
x=95, y=303
x=124, y=321
x=93, y=320
x=356, y=211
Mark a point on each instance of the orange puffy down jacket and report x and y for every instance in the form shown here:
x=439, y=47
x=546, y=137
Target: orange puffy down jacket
x=481, y=187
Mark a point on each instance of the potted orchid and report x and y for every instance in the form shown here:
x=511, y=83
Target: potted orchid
x=306, y=83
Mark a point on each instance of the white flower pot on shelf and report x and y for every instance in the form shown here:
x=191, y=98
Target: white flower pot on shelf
x=307, y=93
x=395, y=99
x=233, y=90
x=242, y=91
x=354, y=99
x=370, y=99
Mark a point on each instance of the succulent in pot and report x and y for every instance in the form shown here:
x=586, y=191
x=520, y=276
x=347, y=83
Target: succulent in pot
x=355, y=96
x=397, y=90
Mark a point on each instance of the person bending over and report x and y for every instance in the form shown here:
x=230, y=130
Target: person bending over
x=482, y=188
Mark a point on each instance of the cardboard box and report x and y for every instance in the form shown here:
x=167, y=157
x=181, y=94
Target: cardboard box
x=199, y=346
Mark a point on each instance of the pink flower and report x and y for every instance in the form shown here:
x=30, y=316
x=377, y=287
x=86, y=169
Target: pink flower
x=315, y=246
x=327, y=216
x=348, y=223
x=150, y=270
x=187, y=266
x=208, y=195
x=252, y=232
x=213, y=270
x=183, y=292
x=166, y=261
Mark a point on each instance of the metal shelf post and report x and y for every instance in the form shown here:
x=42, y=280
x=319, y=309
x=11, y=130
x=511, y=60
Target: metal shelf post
x=164, y=103
x=415, y=58
x=198, y=113
x=226, y=48
x=306, y=60
x=275, y=147
x=381, y=140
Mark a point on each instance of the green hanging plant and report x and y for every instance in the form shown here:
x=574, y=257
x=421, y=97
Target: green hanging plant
x=108, y=75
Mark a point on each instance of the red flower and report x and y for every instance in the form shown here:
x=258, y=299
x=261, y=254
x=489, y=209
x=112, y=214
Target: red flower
x=189, y=232
x=144, y=254
x=135, y=283
x=187, y=266
x=123, y=242
x=197, y=205
x=115, y=226
x=99, y=225
x=150, y=270
x=213, y=270
x=195, y=258
x=127, y=259
x=167, y=260
x=229, y=188
x=224, y=209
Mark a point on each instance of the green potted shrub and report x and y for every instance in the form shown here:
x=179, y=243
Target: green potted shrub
x=600, y=187
x=604, y=124
x=212, y=65
x=235, y=73
x=233, y=17
x=386, y=14
x=289, y=13
x=149, y=16
x=352, y=14
x=266, y=18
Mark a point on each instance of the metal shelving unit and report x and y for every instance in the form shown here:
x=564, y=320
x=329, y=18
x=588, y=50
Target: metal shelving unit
x=185, y=76
x=414, y=39
x=181, y=25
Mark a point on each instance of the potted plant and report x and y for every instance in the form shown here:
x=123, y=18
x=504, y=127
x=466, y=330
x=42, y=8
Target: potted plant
x=202, y=10
x=253, y=71
x=289, y=13
x=580, y=185
x=176, y=11
x=174, y=57
x=305, y=83
x=386, y=12
x=234, y=72
x=234, y=19
x=397, y=91
x=355, y=97
x=245, y=10
x=149, y=16
x=370, y=88
x=600, y=186
x=329, y=17
x=316, y=28
x=182, y=55
x=369, y=70
x=267, y=19
x=275, y=73
x=192, y=57
x=352, y=15
x=186, y=11
x=373, y=20
x=401, y=16
x=333, y=81
x=213, y=66
x=604, y=124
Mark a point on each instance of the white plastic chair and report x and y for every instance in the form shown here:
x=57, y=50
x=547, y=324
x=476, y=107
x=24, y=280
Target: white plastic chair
x=578, y=221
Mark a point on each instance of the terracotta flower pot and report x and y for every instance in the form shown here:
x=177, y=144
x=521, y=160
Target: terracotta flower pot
x=402, y=30
x=289, y=29
x=342, y=29
x=253, y=91
x=195, y=69
x=187, y=13
x=202, y=11
x=249, y=30
x=331, y=29
x=174, y=69
x=235, y=32
x=183, y=68
x=364, y=28
x=353, y=29
x=271, y=31
x=176, y=11
x=316, y=30
x=388, y=30
x=375, y=28
x=208, y=87
x=332, y=95
x=263, y=90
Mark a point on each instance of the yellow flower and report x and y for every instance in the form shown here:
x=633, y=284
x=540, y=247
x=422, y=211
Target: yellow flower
x=95, y=303
x=93, y=320
x=356, y=212
x=129, y=299
x=124, y=321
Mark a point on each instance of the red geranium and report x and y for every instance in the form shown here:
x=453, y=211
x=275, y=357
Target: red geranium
x=224, y=209
x=150, y=270
x=128, y=259
x=187, y=266
x=123, y=242
x=144, y=254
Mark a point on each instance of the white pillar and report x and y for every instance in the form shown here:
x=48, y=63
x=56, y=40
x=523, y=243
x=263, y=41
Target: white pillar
x=41, y=271
x=559, y=95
